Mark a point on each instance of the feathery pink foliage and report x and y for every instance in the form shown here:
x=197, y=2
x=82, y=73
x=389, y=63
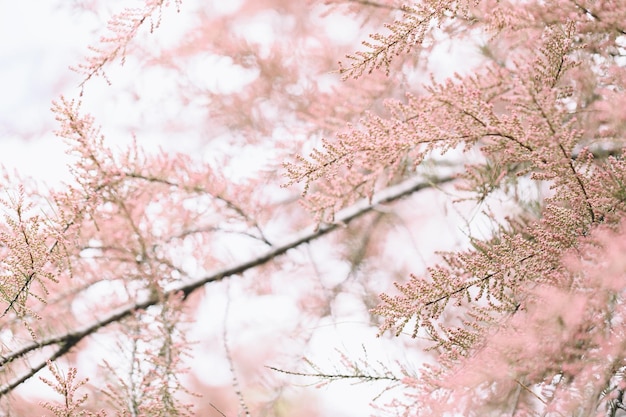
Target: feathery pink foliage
x=525, y=319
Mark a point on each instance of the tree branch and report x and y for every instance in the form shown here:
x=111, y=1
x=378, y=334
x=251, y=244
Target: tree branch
x=337, y=376
x=65, y=342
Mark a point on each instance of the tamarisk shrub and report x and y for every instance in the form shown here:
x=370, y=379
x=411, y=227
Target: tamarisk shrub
x=162, y=278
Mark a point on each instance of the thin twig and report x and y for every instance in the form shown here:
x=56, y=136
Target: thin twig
x=229, y=357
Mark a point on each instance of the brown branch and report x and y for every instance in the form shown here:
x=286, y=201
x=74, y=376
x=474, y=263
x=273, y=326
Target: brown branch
x=465, y=287
x=229, y=358
x=580, y=184
x=596, y=17
x=360, y=377
x=65, y=342
x=375, y=4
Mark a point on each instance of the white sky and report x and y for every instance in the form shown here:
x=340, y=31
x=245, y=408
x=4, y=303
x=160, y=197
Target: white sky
x=39, y=43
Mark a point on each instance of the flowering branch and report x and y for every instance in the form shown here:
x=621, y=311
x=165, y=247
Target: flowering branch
x=65, y=342
x=124, y=28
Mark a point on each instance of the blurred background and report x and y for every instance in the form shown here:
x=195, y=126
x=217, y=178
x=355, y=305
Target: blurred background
x=244, y=85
